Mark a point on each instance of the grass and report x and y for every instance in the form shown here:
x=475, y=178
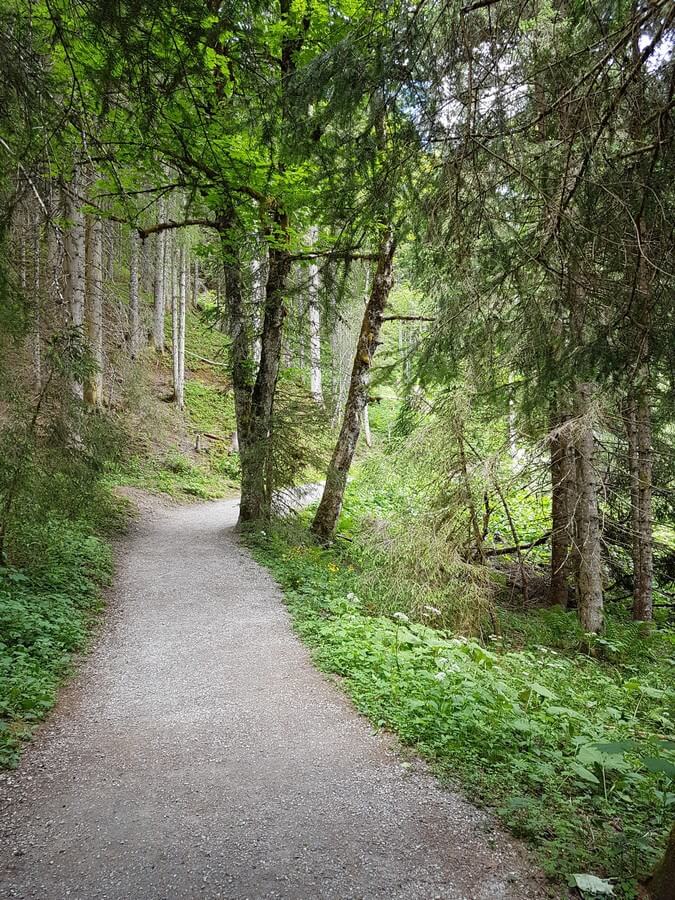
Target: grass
x=574, y=752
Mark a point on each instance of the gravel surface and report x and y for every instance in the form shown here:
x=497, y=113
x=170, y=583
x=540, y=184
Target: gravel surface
x=198, y=753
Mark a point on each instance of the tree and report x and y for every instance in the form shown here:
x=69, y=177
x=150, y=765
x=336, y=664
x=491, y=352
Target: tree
x=329, y=508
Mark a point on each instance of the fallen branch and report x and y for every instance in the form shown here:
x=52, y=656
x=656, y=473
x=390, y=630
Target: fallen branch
x=165, y=226
x=503, y=551
x=407, y=319
x=332, y=254
x=211, y=362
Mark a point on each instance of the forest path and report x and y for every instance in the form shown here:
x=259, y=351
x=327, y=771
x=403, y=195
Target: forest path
x=198, y=753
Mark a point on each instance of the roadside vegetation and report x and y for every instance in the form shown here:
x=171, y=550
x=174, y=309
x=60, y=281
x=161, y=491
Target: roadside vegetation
x=571, y=745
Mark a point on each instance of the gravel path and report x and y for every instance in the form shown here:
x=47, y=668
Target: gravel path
x=198, y=753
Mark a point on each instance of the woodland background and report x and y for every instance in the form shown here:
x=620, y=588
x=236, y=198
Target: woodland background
x=422, y=253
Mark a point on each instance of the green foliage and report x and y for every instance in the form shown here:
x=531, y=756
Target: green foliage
x=210, y=409
x=569, y=749
x=45, y=615
x=179, y=476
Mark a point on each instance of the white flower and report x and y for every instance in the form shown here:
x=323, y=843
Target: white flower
x=352, y=596
x=263, y=533
x=401, y=617
x=440, y=676
x=432, y=610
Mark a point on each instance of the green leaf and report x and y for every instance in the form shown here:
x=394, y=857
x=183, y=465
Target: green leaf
x=591, y=884
x=659, y=764
x=537, y=688
x=617, y=747
x=584, y=773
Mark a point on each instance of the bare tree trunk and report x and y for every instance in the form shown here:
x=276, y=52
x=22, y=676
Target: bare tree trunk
x=367, y=436
x=315, y=329
x=134, y=304
x=94, y=390
x=159, y=301
x=36, y=228
x=75, y=258
x=328, y=512
x=258, y=277
x=110, y=256
x=562, y=496
x=175, y=328
x=256, y=445
x=638, y=429
x=590, y=598
x=182, y=303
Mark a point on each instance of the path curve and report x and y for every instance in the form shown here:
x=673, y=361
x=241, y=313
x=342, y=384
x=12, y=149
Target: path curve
x=199, y=754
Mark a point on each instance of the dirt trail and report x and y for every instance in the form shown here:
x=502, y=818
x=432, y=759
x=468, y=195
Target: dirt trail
x=198, y=753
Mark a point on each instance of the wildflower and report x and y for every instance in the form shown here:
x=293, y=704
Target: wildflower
x=401, y=617
x=263, y=534
x=352, y=596
x=440, y=676
x=432, y=610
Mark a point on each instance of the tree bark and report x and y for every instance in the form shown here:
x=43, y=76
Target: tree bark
x=159, y=300
x=255, y=450
x=367, y=436
x=562, y=497
x=589, y=586
x=182, y=304
x=75, y=258
x=36, y=229
x=94, y=390
x=661, y=885
x=638, y=430
x=314, y=326
x=134, y=307
x=328, y=512
x=175, y=336
x=258, y=278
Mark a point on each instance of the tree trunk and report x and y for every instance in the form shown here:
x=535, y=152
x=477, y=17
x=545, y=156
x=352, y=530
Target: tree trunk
x=242, y=361
x=258, y=277
x=590, y=599
x=159, y=301
x=94, y=390
x=182, y=303
x=661, y=885
x=638, y=430
x=36, y=228
x=134, y=308
x=314, y=326
x=562, y=495
x=328, y=512
x=366, y=426
x=255, y=450
x=254, y=387
x=75, y=258
x=175, y=335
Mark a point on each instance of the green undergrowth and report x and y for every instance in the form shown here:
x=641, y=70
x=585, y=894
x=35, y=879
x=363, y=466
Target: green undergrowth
x=178, y=475
x=574, y=752
x=48, y=602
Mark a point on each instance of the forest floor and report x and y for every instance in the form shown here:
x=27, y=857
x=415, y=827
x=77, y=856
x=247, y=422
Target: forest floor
x=199, y=753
